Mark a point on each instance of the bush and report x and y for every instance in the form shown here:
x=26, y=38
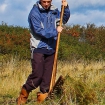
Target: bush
x=14, y=40
x=76, y=42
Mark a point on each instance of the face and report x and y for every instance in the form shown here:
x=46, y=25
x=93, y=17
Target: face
x=45, y=3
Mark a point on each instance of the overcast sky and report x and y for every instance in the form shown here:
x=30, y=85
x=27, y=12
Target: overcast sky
x=15, y=12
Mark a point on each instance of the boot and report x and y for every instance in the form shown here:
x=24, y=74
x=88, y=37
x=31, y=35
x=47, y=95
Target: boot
x=23, y=97
x=41, y=97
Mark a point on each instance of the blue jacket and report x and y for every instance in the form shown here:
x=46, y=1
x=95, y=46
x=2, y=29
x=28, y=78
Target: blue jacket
x=43, y=25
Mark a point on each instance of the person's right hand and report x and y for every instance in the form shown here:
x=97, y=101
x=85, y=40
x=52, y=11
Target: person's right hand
x=59, y=28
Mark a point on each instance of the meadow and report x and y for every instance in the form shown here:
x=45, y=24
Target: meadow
x=81, y=62
x=84, y=82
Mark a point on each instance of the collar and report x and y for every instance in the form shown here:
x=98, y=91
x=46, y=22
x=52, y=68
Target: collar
x=52, y=7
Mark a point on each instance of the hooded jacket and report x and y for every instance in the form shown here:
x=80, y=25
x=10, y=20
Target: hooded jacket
x=43, y=24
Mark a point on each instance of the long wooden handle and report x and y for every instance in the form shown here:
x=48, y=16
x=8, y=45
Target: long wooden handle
x=56, y=54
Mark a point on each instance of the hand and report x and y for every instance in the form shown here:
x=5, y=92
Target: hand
x=64, y=3
x=59, y=29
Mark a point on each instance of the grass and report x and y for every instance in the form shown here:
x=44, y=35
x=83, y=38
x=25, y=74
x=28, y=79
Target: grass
x=84, y=82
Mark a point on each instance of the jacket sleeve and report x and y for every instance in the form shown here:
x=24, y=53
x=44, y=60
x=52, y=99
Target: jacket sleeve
x=38, y=28
x=66, y=15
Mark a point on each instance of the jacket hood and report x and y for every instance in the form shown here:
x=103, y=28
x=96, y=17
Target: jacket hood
x=52, y=7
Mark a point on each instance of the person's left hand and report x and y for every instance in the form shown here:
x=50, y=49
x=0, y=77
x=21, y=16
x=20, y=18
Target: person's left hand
x=64, y=3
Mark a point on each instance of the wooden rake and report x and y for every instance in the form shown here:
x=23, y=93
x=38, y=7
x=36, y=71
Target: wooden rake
x=53, y=77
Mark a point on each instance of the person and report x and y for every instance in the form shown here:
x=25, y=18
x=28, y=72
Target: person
x=44, y=27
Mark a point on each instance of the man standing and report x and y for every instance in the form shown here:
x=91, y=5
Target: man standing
x=43, y=22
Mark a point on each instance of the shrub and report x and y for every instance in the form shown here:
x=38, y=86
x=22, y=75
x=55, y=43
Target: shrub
x=76, y=42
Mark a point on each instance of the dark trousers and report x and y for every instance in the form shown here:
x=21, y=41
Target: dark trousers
x=42, y=66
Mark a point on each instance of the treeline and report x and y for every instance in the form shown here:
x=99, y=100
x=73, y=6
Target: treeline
x=14, y=40
x=76, y=42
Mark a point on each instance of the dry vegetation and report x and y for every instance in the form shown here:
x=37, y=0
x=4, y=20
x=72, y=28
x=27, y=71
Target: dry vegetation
x=84, y=82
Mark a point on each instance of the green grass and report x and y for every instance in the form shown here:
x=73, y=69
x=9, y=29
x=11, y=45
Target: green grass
x=84, y=82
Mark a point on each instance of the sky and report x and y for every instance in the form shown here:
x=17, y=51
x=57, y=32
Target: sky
x=83, y=12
